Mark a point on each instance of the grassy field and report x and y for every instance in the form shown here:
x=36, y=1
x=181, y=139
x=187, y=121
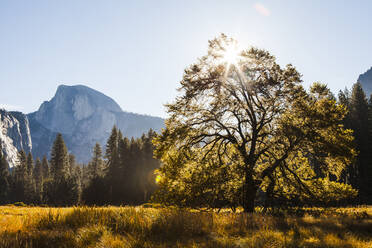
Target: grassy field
x=160, y=227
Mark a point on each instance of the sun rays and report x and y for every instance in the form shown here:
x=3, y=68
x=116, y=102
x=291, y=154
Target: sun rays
x=230, y=56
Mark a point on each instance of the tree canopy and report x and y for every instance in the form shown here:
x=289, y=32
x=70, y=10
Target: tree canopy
x=241, y=123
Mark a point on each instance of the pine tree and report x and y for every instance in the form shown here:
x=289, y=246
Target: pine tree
x=4, y=178
x=20, y=177
x=74, y=181
x=96, y=165
x=112, y=147
x=63, y=188
x=39, y=180
x=368, y=175
x=113, y=167
x=30, y=187
x=344, y=99
x=359, y=124
x=45, y=167
x=71, y=163
x=149, y=165
x=134, y=169
x=30, y=164
x=59, y=162
x=95, y=192
x=126, y=175
x=349, y=174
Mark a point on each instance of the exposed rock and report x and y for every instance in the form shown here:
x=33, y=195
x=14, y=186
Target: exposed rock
x=14, y=134
x=84, y=116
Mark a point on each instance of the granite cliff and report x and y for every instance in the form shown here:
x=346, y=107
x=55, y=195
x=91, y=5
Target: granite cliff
x=14, y=134
x=84, y=116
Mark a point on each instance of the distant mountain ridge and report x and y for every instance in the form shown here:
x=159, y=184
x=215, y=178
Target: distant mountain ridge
x=83, y=115
x=365, y=80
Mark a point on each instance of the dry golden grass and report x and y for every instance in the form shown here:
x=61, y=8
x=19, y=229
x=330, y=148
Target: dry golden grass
x=171, y=227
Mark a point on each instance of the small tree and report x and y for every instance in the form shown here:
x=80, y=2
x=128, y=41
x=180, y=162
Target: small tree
x=45, y=167
x=63, y=187
x=243, y=102
x=113, y=172
x=95, y=191
x=20, y=178
x=59, y=161
x=5, y=180
x=39, y=181
x=96, y=166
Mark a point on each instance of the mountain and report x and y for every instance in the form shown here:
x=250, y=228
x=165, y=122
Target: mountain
x=84, y=116
x=365, y=80
x=14, y=134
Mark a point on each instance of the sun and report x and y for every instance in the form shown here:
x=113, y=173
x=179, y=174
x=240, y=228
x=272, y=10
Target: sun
x=231, y=54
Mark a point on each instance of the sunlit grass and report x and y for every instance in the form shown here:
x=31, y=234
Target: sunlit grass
x=172, y=227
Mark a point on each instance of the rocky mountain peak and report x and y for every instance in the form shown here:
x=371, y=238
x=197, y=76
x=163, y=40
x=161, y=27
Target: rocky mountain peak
x=84, y=116
x=72, y=104
x=365, y=80
x=93, y=97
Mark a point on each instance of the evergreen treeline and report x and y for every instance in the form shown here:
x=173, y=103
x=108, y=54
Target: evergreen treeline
x=359, y=119
x=124, y=175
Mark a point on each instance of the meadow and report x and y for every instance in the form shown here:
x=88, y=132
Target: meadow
x=146, y=226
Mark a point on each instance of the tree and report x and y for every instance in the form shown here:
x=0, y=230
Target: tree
x=30, y=187
x=147, y=166
x=39, y=180
x=45, y=167
x=96, y=166
x=368, y=174
x=59, y=162
x=134, y=164
x=20, y=178
x=71, y=163
x=349, y=174
x=95, y=191
x=113, y=176
x=4, y=178
x=243, y=104
x=112, y=147
x=63, y=186
x=359, y=120
x=30, y=164
x=126, y=170
x=191, y=178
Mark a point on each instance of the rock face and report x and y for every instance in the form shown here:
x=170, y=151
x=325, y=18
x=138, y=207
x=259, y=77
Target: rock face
x=84, y=116
x=365, y=80
x=14, y=134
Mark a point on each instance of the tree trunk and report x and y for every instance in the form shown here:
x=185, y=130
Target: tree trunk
x=249, y=194
x=269, y=194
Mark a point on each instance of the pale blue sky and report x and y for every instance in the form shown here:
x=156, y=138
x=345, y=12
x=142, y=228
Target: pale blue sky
x=135, y=51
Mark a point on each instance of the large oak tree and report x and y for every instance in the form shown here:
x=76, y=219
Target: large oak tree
x=240, y=109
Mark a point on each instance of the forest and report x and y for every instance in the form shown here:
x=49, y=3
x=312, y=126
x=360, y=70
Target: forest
x=122, y=176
